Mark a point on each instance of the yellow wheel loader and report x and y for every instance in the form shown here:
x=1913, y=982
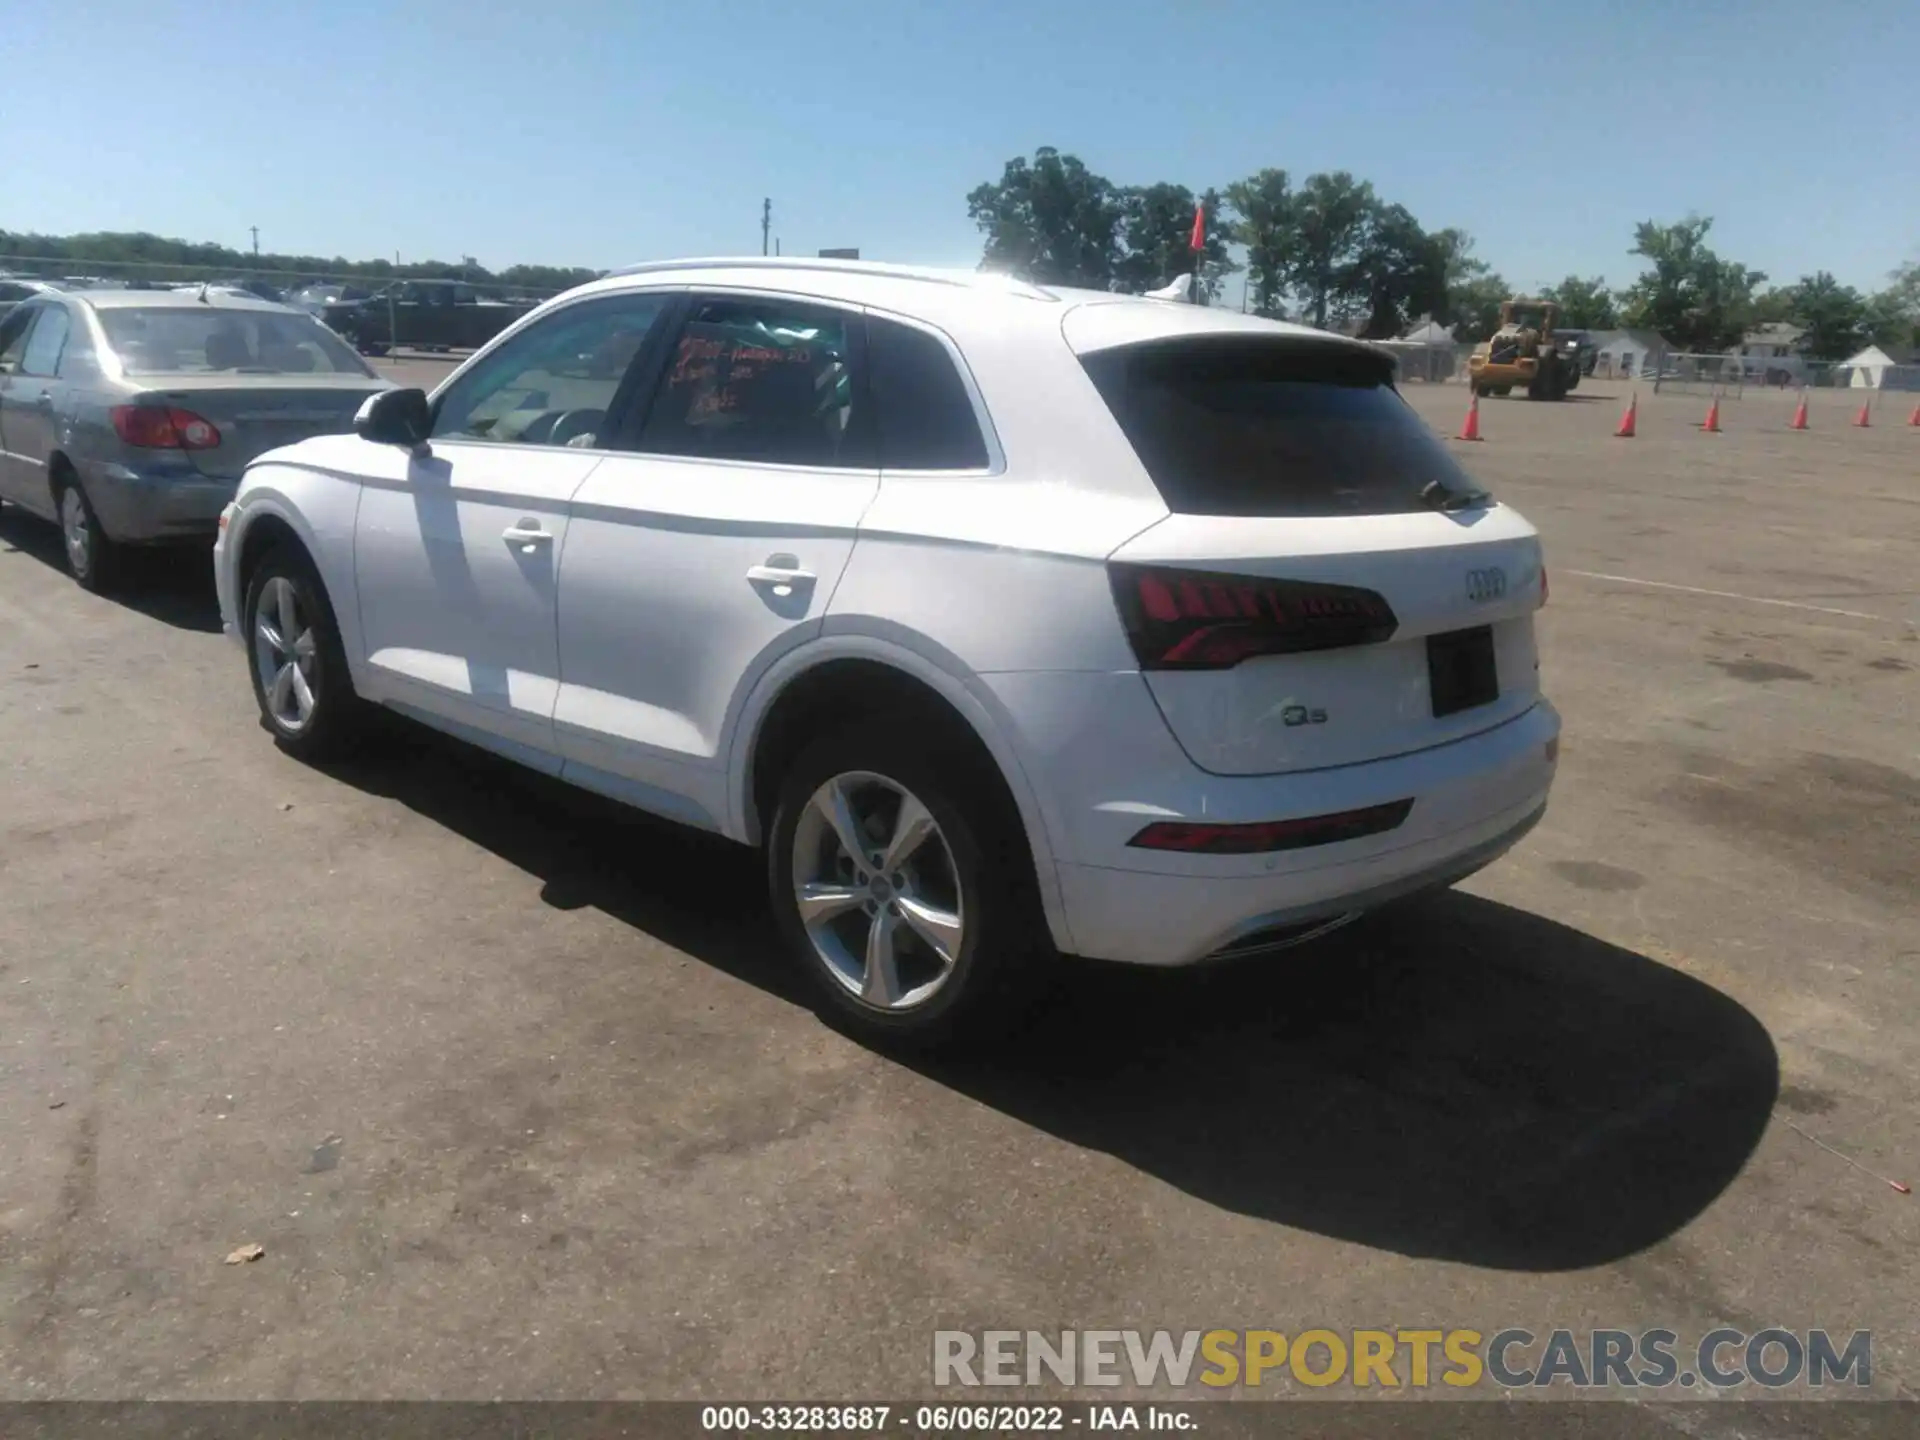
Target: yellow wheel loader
x=1524, y=351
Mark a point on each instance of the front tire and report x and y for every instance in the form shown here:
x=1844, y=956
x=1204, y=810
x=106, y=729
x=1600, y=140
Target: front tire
x=902, y=882
x=299, y=669
x=93, y=559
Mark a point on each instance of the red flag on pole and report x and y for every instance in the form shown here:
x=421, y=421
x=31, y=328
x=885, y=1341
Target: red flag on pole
x=1199, y=241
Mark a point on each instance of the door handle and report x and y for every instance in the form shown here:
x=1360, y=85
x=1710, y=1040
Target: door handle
x=45, y=402
x=527, y=536
x=780, y=575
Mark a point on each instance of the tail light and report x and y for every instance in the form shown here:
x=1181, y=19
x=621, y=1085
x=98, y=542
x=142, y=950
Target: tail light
x=164, y=427
x=1268, y=835
x=1197, y=620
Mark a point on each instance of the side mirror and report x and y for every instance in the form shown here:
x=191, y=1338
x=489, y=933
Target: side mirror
x=395, y=417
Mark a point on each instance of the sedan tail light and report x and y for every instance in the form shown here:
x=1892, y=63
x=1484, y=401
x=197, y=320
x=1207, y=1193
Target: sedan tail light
x=1198, y=620
x=164, y=427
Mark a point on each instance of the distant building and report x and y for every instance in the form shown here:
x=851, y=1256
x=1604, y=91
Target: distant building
x=1771, y=342
x=1628, y=354
x=845, y=254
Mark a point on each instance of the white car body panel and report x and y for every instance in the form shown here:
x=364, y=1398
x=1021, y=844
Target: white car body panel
x=684, y=579
x=645, y=662
x=457, y=619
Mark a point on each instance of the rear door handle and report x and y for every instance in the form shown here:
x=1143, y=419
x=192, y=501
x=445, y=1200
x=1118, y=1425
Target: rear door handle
x=526, y=536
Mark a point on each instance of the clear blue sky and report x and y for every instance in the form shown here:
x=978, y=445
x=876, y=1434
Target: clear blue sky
x=600, y=132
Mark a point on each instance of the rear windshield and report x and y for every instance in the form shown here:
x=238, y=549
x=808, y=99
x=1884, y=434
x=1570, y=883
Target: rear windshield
x=1238, y=427
x=176, y=340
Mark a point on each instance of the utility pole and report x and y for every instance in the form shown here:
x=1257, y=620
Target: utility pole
x=766, y=223
x=256, y=240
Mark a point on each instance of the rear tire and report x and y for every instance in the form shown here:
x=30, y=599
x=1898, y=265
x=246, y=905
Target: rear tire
x=299, y=668
x=927, y=931
x=93, y=559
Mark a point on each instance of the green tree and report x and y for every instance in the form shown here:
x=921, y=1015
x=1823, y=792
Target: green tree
x=1156, y=231
x=1833, y=315
x=1052, y=220
x=1332, y=216
x=1473, y=307
x=1689, y=294
x=1772, y=306
x=1263, y=224
x=1584, y=304
x=1890, y=323
x=1399, y=271
x=1893, y=315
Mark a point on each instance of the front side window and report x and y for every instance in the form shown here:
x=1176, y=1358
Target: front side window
x=198, y=340
x=761, y=380
x=553, y=383
x=49, y=338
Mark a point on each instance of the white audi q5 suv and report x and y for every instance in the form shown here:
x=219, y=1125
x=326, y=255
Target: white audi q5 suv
x=1006, y=619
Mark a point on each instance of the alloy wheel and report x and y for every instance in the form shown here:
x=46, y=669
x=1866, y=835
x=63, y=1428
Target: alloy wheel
x=284, y=651
x=877, y=890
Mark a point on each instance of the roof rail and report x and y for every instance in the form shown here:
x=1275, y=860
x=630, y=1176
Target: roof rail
x=960, y=279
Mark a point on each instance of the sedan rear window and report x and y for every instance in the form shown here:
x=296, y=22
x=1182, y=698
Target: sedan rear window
x=1252, y=427
x=176, y=340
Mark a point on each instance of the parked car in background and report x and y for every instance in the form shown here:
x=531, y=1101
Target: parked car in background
x=16, y=288
x=1003, y=618
x=314, y=299
x=127, y=416
x=422, y=314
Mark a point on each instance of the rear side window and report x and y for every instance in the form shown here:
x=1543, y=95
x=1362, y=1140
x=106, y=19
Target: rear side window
x=760, y=380
x=925, y=416
x=45, y=345
x=1239, y=427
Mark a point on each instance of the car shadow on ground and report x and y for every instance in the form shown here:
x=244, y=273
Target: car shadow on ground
x=1453, y=1077
x=171, y=584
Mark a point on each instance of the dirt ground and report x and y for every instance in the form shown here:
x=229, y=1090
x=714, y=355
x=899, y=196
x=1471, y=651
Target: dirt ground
x=518, y=1098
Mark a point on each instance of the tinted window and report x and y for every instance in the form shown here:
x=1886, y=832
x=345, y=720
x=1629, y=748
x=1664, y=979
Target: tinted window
x=197, y=340
x=758, y=380
x=925, y=416
x=44, y=345
x=1239, y=427
x=554, y=382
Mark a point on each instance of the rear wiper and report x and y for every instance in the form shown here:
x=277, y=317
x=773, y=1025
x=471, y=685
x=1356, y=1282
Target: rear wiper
x=1442, y=497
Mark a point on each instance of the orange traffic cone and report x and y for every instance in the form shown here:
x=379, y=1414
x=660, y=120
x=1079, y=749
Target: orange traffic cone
x=1799, y=421
x=1471, y=429
x=1914, y=418
x=1865, y=417
x=1629, y=419
x=1712, y=423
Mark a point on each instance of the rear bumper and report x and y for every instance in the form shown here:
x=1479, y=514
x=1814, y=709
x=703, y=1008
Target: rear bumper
x=145, y=506
x=1472, y=800
x=1143, y=919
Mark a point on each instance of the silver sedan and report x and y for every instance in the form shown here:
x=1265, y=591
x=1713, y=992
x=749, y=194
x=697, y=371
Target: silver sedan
x=127, y=416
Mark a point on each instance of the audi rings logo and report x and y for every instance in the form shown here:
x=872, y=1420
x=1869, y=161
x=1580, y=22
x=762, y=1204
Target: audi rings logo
x=1488, y=584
